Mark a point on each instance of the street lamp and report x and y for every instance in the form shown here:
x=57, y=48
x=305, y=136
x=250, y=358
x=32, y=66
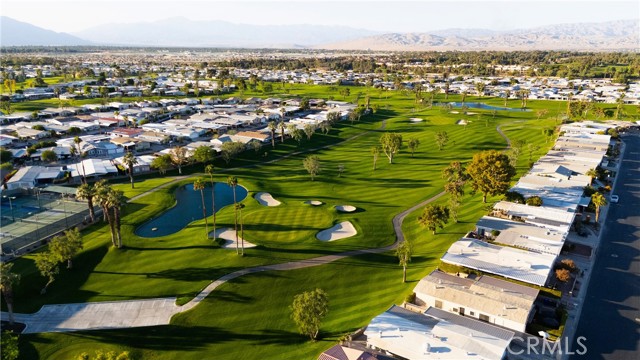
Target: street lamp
x=10, y=205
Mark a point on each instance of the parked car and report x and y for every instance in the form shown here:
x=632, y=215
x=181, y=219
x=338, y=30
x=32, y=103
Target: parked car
x=614, y=199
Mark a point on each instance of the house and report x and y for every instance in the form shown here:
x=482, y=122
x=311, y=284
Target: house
x=7, y=140
x=93, y=168
x=340, y=352
x=487, y=299
x=143, y=164
x=24, y=132
x=436, y=334
x=126, y=132
x=153, y=137
x=29, y=176
x=128, y=144
x=248, y=136
x=217, y=142
x=522, y=265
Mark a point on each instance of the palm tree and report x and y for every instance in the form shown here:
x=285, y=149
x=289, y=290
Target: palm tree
x=592, y=173
x=87, y=192
x=272, y=127
x=77, y=141
x=199, y=185
x=7, y=280
x=233, y=182
x=101, y=188
x=619, y=106
x=130, y=160
x=209, y=170
x=507, y=93
x=239, y=209
x=115, y=201
x=282, y=126
x=598, y=200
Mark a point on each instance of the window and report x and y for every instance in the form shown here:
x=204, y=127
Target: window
x=483, y=317
x=455, y=310
x=438, y=304
x=472, y=313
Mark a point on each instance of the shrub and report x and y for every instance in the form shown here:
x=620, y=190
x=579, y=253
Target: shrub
x=568, y=264
x=534, y=201
x=411, y=298
x=495, y=233
x=563, y=275
x=514, y=196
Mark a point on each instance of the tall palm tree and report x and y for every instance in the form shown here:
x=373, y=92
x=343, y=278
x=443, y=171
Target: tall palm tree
x=282, y=126
x=115, y=201
x=198, y=185
x=103, y=189
x=7, y=280
x=209, y=170
x=130, y=160
x=77, y=141
x=239, y=209
x=598, y=200
x=233, y=182
x=87, y=192
x=507, y=93
x=272, y=127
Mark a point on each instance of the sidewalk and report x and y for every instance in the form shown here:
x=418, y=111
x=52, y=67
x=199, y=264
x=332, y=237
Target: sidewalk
x=575, y=302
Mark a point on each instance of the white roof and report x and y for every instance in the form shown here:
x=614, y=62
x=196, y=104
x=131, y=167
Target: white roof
x=416, y=336
x=522, y=265
x=525, y=236
x=545, y=216
x=92, y=167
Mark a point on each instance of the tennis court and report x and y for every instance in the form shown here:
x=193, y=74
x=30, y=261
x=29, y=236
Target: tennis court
x=29, y=219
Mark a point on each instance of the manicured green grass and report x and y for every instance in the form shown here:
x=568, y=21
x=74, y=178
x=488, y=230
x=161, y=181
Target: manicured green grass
x=253, y=310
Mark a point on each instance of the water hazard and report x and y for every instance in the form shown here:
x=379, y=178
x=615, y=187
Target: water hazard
x=188, y=208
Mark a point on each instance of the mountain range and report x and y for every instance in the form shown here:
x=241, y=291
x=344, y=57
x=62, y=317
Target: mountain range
x=179, y=31
x=18, y=33
x=606, y=36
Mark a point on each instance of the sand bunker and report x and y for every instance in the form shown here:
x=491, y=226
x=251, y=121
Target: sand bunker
x=416, y=120
x=265, y=199
x=343, y=230
x=345, y=208
x=455, y=112
x=472, y=113
x=313, y=202
x=229, y=235
x=462, y=122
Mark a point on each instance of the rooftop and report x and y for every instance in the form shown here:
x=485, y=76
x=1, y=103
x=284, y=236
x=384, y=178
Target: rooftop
x=522, y=265
x=416, y=336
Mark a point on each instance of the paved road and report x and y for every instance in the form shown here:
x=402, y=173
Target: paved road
x=610, y=319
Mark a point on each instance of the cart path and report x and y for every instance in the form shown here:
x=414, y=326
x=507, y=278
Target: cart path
x=153, y=312
x=159, y=311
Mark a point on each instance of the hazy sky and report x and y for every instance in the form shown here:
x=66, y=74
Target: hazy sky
x=391, y=16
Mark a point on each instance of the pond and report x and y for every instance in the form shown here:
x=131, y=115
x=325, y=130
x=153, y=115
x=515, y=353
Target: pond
x=188, y=208
x=483, y=106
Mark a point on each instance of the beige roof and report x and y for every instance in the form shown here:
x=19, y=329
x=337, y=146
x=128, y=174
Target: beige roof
x=488, y=295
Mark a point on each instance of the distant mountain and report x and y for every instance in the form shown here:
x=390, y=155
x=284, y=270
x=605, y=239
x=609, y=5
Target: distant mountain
x=179, y=31
x=607, y=36
x=18, y=33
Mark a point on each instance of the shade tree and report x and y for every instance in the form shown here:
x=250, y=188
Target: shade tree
x=391, y=143
x=308, y=310
x=490, y=173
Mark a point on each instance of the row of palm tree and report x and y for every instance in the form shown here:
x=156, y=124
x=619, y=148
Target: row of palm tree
x=111, y=202
x=232, y=181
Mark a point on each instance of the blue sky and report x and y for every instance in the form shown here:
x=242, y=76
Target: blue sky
x=386, y=16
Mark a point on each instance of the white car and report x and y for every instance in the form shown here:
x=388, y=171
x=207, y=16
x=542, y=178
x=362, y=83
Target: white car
x=614, y=198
